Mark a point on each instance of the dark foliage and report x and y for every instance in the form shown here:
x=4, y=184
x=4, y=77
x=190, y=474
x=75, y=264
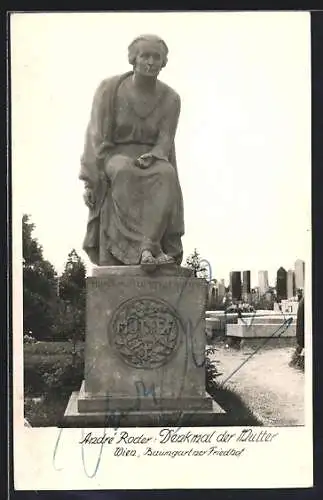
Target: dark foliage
x=72, y=295
x=197, y=265
x=54, y=308
x=39, y=286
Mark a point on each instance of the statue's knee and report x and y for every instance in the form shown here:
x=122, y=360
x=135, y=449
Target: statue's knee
x=117, y=164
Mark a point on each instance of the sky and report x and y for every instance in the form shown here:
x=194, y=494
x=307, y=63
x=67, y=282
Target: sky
x=243, y=142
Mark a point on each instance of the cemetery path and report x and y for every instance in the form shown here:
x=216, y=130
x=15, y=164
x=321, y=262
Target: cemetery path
x=272, y=390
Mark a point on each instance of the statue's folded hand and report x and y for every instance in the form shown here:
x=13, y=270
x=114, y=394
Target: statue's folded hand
x=144, y=161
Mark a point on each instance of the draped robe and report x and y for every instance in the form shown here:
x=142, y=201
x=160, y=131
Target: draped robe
x=134, y=209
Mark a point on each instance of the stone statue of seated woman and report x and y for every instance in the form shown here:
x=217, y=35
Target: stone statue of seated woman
x=129, y=167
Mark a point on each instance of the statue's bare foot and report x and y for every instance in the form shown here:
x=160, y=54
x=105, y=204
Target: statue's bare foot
x=163, y=259
x=147, y=261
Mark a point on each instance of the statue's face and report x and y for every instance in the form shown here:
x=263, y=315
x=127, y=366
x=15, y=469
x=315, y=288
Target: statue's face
x=149, y=60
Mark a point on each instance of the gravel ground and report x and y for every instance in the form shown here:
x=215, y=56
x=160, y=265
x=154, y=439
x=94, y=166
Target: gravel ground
x=272, y=390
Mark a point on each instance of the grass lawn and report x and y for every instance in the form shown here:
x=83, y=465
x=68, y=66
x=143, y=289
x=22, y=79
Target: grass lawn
x=47, y=411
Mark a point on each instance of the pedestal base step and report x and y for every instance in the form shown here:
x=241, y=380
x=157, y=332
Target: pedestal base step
x=93, y=403
x=215, y=415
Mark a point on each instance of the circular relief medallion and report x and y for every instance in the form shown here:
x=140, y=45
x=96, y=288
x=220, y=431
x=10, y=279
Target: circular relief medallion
x=145, y=332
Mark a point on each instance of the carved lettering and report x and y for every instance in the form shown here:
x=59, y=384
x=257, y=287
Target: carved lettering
x=178, y=284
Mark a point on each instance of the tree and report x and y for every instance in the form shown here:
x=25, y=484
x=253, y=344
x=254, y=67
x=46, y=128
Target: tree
x=39, y=285
x=72, y=293
x=200, y=267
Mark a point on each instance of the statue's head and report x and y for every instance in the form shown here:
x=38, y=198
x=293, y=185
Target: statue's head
x=148, y=55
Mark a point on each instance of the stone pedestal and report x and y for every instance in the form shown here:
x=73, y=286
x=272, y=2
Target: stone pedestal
x=145, y=350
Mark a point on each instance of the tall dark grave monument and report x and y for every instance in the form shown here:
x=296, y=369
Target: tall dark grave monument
x=281, y=284
x=246, y=282
x=235, y=284
x=145, y=326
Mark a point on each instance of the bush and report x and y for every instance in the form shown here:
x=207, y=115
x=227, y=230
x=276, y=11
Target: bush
x=298, y=359
x=48, y=368
x=65, y=375
x=211, y=370
x=29, y=339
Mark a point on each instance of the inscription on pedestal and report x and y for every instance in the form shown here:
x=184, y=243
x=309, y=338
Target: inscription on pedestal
x=179, y=285
x=145, y=332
